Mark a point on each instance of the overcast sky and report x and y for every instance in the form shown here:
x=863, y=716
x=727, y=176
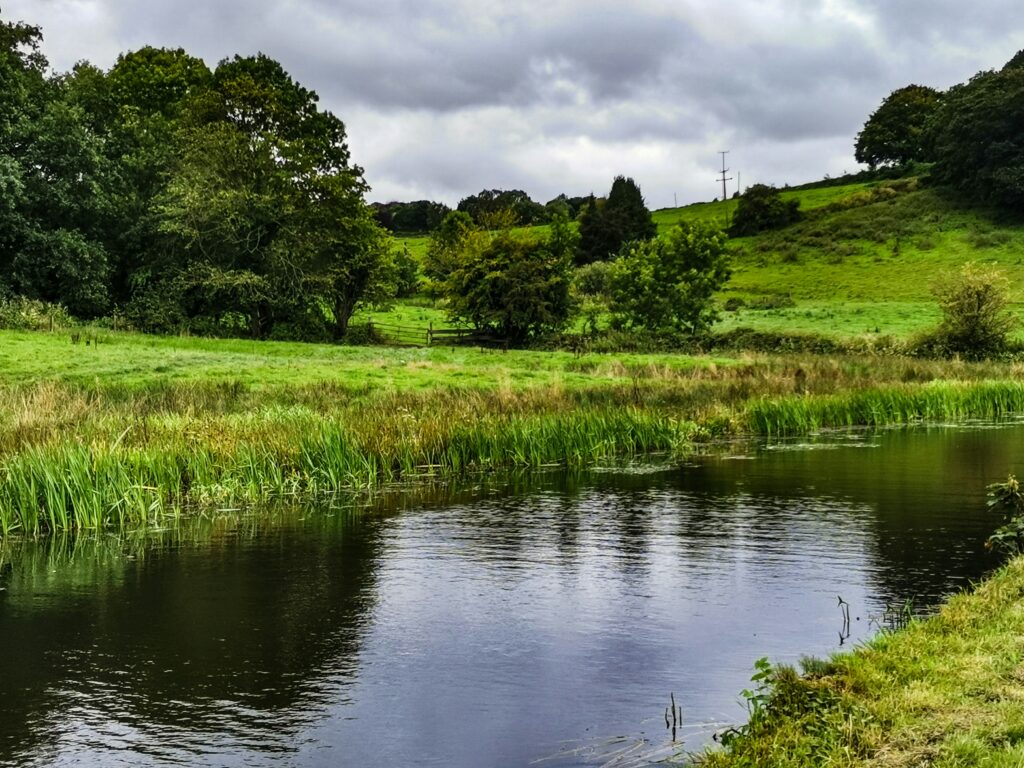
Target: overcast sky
x=443, y=98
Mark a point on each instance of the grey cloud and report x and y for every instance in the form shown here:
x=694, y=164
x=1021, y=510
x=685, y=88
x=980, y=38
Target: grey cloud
x=658, y=83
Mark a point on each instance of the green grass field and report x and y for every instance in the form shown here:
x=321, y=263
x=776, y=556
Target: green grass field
x=136, y=360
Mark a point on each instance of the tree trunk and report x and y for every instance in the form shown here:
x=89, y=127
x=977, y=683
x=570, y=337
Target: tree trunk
x=343, y=309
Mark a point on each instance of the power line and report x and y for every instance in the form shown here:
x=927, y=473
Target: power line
x=725, y=194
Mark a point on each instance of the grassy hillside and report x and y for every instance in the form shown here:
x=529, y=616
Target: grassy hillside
x=867, y=264
x=861, y=263
x=719, y=213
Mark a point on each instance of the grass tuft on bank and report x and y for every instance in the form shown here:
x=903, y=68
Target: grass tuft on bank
x=946, y=692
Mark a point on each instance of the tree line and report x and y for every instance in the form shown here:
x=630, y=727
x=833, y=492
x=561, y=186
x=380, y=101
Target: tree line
x=489, y=208
x=223, y=199
x=973, y=134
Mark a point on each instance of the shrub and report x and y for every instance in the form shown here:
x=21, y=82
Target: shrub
x=21, y=314
x=362, y=334
x=1007, y=498
x=514, y=285
x=667, y=285
x=761, y=208
x=975, y=319
x=592, y=279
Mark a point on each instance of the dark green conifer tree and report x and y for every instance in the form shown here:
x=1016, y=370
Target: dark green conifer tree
x=607, y=225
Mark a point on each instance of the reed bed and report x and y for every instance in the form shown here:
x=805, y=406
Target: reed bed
x=898, y=404
x=71, y=486
x=88, y=457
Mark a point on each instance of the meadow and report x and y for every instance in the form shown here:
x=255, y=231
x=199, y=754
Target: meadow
x=120, y=429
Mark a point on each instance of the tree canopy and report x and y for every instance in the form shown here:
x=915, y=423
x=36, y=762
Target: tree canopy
x=606, y=225
x=417, y=217
x=979, y=137
x=483, y=207
x=897, y=132
x=222, y=199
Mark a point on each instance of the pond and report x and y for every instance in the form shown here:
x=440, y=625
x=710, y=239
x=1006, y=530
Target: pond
x=542, y=621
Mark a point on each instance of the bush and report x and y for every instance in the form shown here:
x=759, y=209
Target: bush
x=514, y=285
x=1007, y=498
x=21, y=314
x=362, y=335
x=592, y=279
x=407, y=274
x=761, y=208
x=975, y=319
x=667, y=285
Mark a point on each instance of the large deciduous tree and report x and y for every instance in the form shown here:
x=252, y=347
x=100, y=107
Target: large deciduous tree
x=897, y=132
x=266, y=195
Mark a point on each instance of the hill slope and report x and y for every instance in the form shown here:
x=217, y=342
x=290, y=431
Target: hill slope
x=862, y=262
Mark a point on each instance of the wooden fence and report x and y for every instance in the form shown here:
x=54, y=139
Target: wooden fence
x=413, y=336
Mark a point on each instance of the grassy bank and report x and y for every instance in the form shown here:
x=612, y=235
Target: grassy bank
x=945, y=692
x=139, y=428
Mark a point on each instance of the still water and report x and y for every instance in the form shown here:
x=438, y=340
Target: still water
x=540, y=622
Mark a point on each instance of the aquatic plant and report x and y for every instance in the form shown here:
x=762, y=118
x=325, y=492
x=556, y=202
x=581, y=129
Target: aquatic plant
x=1008, y=499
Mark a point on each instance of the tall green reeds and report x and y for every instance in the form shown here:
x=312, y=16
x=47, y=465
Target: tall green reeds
x=74, y=487
x=86, y=459
x=899, y=404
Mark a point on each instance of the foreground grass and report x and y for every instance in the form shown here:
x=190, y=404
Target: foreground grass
x=140, y=428
x=947, y=692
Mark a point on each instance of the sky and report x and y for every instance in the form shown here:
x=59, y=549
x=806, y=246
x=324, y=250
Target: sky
x=444, y=98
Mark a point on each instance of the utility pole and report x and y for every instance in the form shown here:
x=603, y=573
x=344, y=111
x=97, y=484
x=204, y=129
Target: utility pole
x=739, y=183
x=725, y=194
x=675, y=199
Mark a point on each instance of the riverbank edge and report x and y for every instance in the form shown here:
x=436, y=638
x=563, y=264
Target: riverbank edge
x=945, y=691
x=101, y=479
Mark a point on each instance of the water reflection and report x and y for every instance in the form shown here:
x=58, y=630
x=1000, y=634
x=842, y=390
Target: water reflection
x=491, y=626
x=179, y=652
